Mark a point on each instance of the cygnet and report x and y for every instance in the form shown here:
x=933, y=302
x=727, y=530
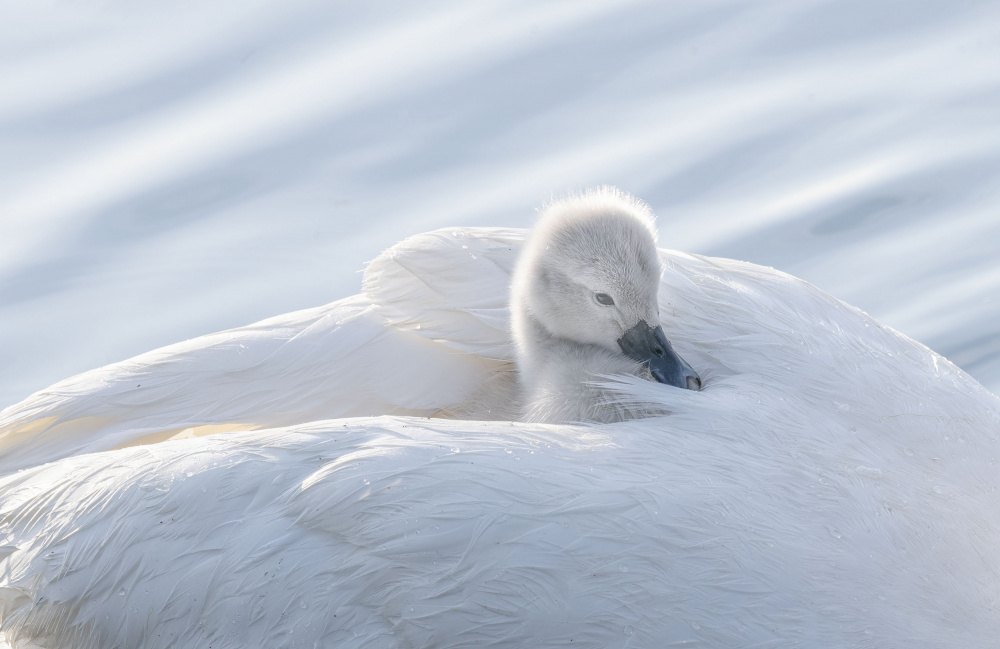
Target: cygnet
x=584, y=306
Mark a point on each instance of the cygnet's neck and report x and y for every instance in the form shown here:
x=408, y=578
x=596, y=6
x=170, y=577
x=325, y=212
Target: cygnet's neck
x=558, y=377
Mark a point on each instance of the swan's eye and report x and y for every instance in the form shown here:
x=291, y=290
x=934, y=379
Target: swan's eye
x=604, y=299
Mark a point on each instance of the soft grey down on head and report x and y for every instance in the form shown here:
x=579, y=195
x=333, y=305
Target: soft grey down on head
x=584, y=306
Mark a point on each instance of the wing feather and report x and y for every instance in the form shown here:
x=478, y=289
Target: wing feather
x=450, y=285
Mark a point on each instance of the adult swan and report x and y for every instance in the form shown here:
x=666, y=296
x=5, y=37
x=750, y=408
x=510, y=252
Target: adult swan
x=833, y=483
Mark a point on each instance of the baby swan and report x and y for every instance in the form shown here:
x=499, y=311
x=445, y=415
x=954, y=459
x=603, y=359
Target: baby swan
x=584, y=304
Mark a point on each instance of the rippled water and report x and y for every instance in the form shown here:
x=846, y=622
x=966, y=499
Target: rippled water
x=170, y=169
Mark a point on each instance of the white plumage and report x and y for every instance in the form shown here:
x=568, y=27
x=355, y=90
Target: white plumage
x=833, y=484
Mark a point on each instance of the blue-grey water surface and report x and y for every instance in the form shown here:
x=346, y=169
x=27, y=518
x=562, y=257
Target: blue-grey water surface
x=172, y=169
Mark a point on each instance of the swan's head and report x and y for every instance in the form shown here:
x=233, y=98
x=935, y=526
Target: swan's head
x=589, y=274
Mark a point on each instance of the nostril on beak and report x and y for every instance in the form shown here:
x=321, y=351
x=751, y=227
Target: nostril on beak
x=694, y=383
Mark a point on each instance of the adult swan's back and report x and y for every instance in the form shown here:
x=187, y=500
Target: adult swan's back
x=832, y=484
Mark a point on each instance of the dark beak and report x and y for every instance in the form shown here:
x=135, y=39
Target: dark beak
x=649, y=346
